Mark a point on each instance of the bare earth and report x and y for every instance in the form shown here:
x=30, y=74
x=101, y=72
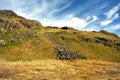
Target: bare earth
x=59, y=70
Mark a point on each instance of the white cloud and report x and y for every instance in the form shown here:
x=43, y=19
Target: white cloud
x=40, y=9
x=112, y=12
x=92, y=28
x=88, y=18
x=94, y=18
x=108, y=21
x=19, y=12
x=113, y=28
x=69, y=20
x=55, y=9
x=104, y=23
x=111, y=15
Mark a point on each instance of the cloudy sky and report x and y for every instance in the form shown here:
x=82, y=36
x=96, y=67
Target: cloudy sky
x=80, y=14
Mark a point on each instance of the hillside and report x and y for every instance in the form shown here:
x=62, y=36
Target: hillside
x=23, y=39
x=28, y=49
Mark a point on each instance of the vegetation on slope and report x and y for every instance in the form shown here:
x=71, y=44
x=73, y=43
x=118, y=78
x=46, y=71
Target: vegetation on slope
x=93, y=45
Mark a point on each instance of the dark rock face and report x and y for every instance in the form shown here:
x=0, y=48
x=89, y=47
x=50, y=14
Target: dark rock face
x=108, y=42
x=7, y=13
x=8, y=24
x=64, y=54
x=10, y=21
x=100, y=40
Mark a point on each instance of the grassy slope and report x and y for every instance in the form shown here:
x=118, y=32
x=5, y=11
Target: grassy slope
x=36, y=47
x=40, y=46
x=91, y=49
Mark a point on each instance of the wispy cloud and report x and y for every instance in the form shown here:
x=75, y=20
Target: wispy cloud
x=55, y=8
x=113, y=28
x=108, y=21
x=40, y=9
x=112, y=12
x=94, y=18
x=111, y=15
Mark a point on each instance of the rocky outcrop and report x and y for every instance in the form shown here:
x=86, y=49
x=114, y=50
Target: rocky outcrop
x=101, y=40
x=64, y=54
x=7, y=13
x=108, y=42
x=10, y=21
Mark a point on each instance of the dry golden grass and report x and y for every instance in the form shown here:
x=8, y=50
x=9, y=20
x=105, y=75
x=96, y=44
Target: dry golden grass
x=59, y=70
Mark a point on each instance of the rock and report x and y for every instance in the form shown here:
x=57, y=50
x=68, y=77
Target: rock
x=108, y=42
x=7, y=13
x=64, y=54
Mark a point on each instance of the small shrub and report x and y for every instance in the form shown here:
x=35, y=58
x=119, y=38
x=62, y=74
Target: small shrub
x=65, y=28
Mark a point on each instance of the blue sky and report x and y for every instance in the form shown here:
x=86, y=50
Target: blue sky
x=80, y=14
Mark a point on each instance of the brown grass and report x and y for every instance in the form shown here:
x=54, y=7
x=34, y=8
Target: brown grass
x=59, y=70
